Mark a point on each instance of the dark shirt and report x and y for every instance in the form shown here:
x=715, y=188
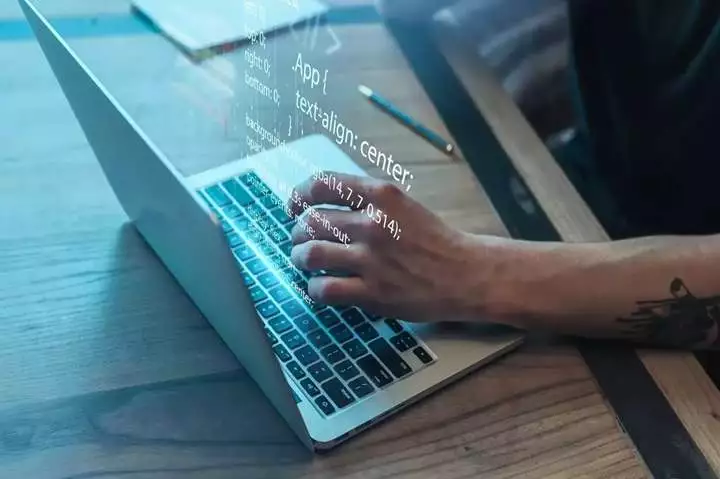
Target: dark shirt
x=648, y=81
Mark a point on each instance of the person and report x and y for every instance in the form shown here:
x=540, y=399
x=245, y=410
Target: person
x=646, y=76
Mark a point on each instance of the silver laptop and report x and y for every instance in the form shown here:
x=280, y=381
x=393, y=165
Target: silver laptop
x=224, y=235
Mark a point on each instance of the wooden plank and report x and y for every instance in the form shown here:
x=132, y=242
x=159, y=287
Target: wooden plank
x=106, y=362
x=678, y=374
x=531, y=415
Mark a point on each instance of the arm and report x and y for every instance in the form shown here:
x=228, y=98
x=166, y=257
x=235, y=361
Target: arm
x=658, y=290
x=663, y=291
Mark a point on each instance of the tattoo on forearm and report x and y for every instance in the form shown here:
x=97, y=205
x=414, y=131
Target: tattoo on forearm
x=682, y=320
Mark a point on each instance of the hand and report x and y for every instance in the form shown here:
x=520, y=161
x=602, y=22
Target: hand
x=431, y=272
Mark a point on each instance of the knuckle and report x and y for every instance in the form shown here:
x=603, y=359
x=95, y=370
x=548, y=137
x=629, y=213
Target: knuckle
x=387, y=192
x=370, y=229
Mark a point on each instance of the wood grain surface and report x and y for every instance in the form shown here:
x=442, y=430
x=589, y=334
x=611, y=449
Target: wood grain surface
x=688, y=388
x=109, y=371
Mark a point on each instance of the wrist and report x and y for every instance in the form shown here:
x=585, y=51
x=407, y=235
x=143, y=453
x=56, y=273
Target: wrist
x=516, y=279
x=489, y=264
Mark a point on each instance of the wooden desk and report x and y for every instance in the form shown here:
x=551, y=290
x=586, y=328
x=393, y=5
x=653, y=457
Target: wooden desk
x=109, y=371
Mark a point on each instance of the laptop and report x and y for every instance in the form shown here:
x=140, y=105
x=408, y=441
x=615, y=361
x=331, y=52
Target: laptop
x=224, y=235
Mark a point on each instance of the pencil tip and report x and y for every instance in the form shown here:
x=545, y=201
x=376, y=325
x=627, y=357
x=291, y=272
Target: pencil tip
x=364, y=90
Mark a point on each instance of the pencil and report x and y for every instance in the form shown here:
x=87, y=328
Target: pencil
x=436, y=140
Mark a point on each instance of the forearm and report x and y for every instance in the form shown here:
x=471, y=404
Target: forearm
x=661, y=290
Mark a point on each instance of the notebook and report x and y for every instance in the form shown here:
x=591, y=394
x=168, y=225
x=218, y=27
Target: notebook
x=202, y=26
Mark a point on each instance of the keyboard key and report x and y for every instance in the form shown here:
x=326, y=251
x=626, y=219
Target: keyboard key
x=255, y=211
x=367, y=332
x=319, y=338
x=361, y=387
x=267, y=279
x=282, y=353
x=266, y=248
x=276, y=200
x=247, y=279
x=289, y=226
x=303, y=286
x=353, y=317
x=278, y=236
x=325, y=405
x=306, y=355
x=237, y=192
x=254, y=235
x=374, y=370
x=217, y=195
x=279, y=324
x=328, y=318
x=265, y=223
x=232, y=211
x=394, y=325
x=261, y=189
x=257, y=187
x=355, y=348
x=422, y=355
x=249, y=178
x=337, y=393
x=346, y=370
x=296, y=370
x=286, y=247
x=255, y=266
x=332, y=354
x=244, y=253
x=293, y=275
x=372, y=317
x=320, y=371
x=241, y=223
x=257, y=294
x=277, y=260
x=403, y=341
x=268, y=201
x=309, y=386
x=271, y=336
x=285, y=276
x=287, y=262
x=389, y=357
x=341, y=333
x=226, y=227
x=234, y=239
x=279, y=214
x=317, y=307
x=292, y=308
x=293, y=339
x=306, y=324
x=267, y=309
x=280, y=294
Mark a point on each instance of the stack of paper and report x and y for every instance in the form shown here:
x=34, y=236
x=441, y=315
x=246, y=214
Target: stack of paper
x=203, y=26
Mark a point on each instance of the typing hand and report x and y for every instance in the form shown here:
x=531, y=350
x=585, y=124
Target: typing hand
x=396, y=257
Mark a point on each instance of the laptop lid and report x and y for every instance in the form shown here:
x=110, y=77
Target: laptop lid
x=171, y=218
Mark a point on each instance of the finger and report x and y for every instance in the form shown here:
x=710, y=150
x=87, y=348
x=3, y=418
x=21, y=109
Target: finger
x=327, y=256
x=333, y=290
x=340, y=189
x=328, y=224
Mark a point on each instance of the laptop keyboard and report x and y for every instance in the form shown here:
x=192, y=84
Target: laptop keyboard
x=336, y=356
